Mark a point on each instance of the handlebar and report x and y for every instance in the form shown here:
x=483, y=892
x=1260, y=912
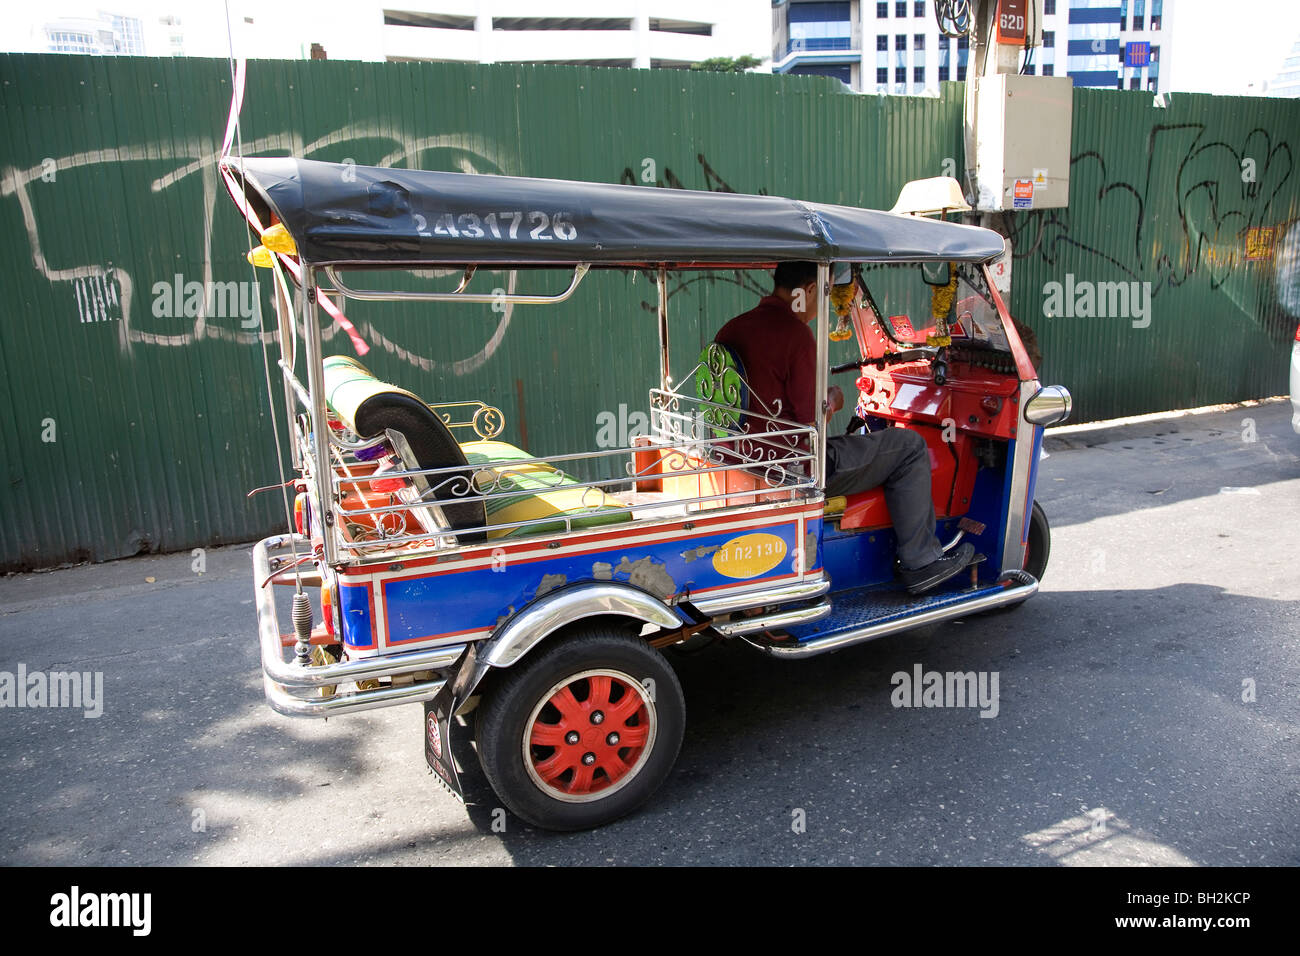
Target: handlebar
x=890, y=358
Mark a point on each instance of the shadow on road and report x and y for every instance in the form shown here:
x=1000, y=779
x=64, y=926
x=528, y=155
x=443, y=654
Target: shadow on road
x=1109, y=747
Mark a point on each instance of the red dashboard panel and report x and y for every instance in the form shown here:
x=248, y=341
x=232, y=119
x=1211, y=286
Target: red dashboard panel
x=977, y=402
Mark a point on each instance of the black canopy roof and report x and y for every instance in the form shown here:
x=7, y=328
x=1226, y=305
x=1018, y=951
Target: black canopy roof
x=339, y=214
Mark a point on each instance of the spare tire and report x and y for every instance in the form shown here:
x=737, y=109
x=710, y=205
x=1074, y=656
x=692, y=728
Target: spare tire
x=368, y=406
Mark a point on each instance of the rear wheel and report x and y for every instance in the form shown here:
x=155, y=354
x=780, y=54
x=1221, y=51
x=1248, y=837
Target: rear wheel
x=582, y=732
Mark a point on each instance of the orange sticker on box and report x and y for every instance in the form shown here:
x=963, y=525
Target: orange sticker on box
x=1022, y=194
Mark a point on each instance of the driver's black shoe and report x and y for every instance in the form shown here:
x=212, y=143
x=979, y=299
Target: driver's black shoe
x=920, y=580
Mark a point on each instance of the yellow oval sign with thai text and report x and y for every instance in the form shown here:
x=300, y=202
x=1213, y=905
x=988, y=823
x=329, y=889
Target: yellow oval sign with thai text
x=749, y=555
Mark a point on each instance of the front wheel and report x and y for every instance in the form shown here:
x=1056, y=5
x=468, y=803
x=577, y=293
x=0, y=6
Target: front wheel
x=1037, y=550
x=583, y=731
x=1040, y=542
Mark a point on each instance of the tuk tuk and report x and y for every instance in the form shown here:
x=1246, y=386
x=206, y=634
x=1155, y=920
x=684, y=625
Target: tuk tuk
x=528, y=605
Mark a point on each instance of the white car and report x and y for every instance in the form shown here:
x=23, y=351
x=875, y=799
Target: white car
x=1295, y=382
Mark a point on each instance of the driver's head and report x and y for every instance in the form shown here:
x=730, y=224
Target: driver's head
x=796, y=284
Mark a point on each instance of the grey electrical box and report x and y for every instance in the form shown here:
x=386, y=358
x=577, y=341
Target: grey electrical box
x=1022, y=142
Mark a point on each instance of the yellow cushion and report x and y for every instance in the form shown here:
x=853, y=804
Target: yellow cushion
x=545, y=492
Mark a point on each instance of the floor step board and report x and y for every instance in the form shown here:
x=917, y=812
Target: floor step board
x=858, y=607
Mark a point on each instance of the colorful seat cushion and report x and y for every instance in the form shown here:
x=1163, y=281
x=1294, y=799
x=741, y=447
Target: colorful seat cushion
x=544, y=492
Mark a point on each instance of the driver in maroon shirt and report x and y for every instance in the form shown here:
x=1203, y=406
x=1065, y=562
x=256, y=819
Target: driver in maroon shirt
x=779, y=353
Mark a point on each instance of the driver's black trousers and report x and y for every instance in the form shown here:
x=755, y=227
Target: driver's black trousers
x=897, y=460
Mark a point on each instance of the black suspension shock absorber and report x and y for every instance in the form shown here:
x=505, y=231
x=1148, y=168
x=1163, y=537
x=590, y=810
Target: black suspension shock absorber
x=302, y=627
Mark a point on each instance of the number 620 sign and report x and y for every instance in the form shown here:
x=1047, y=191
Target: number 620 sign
x=1011, y=21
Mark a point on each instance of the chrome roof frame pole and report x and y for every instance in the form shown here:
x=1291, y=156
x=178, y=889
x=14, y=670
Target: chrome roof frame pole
x=665, y=370
x=823, y=357
x=322, y=467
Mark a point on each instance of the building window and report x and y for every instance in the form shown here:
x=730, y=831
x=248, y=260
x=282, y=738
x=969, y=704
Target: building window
x=918, y=41
x=1049, y=69
x=900, y=74
x=963, y=43
x=918, y=74
x=882, y=42
x=961, y=72
x=1119, y=83
x=560, y=23
x=1029, y=70
x=900, y=41
x=128, y=36
x=882, y=10
x=1155, y=54
x=821, y=26
x=66, y=41
x=1153, y=85
x=1135, y=83
x=882, y=74
x=900, y=9
x=439, y=21
x=1049, y=39
x=918, y=8
x=1049, y=7
x=943, y=74
x=688, y=27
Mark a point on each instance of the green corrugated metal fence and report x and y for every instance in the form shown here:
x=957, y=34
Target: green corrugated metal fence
x=1196, y=203
x=133, y=422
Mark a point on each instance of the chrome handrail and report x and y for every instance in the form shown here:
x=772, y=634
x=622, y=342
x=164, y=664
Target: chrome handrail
x=508, y=298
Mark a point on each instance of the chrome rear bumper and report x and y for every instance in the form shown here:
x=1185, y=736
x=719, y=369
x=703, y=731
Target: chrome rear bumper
x=296, y=690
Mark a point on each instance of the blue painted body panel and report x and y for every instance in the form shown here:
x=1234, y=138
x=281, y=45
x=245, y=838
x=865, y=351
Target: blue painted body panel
x=438, y=601
x=356, y=614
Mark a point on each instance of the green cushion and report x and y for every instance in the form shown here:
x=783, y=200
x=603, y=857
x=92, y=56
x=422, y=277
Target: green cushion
x=720, y=378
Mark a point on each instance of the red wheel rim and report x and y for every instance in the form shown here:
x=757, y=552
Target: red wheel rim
x=589, y=735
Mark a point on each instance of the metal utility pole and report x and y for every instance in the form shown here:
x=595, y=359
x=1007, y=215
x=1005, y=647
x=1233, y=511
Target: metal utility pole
x=1016, y=125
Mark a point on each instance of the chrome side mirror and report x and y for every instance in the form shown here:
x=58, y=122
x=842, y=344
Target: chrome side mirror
x=1050, y=405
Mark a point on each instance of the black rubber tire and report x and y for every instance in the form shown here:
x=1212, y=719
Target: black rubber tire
x=1038, y=549
x=1040, y=542
x=503, y=717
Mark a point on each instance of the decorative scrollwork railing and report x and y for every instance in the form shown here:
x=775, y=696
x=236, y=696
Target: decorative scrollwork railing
x=486, y=421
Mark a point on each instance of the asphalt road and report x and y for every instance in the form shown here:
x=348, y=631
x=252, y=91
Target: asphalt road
x=1122, y=736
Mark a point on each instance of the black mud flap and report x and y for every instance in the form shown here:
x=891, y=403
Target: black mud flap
x=437, y=741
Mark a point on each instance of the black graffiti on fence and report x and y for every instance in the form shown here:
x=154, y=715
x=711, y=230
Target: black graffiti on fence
x=1210, y=196
x=714, y=183
x=679, y=282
